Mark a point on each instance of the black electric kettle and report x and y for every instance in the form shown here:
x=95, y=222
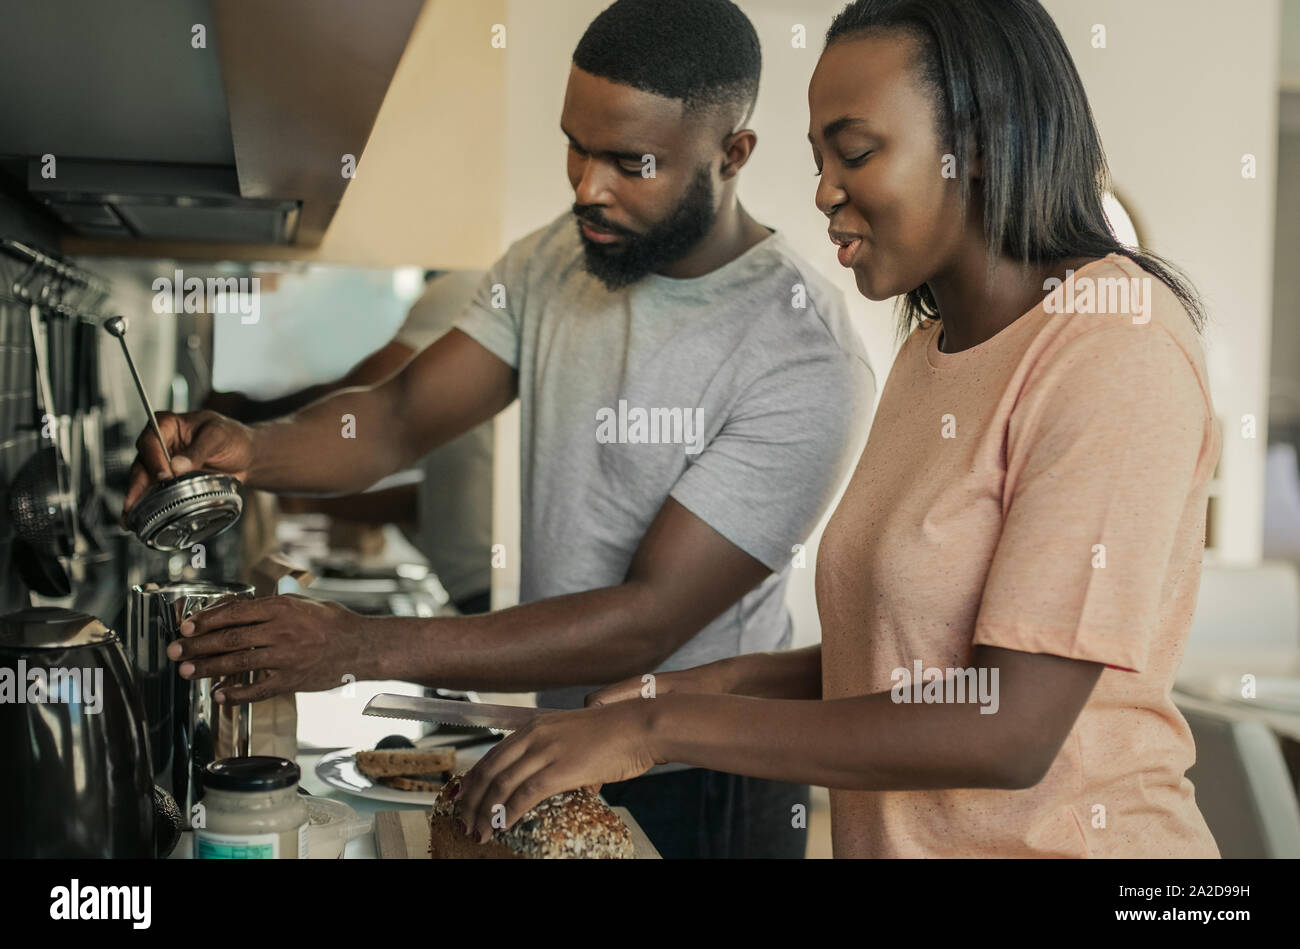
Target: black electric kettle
x=78, y=780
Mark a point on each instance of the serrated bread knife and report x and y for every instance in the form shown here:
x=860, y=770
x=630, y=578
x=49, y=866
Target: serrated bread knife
x=453, y=712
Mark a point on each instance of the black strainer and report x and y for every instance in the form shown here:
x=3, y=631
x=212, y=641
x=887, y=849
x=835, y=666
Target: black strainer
x=42, y=509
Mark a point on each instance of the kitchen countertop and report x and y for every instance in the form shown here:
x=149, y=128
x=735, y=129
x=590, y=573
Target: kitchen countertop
x=359, y=848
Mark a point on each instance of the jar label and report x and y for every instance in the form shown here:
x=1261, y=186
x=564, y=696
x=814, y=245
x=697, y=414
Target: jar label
x=288, y=845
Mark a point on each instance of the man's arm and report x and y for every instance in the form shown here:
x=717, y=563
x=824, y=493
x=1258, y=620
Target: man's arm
x=375, y=368
x=684, y=574
x=449, y=388
x=394, y=506
x=400, y=506
x=784, y=674
x=345, y=442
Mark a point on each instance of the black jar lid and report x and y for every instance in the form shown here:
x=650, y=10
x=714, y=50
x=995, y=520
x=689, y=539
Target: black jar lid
x=255, y=773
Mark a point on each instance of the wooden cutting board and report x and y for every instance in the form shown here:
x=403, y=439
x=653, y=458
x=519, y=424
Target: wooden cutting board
x=404, y=835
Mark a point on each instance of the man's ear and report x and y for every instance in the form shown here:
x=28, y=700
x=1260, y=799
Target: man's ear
x=737, y=148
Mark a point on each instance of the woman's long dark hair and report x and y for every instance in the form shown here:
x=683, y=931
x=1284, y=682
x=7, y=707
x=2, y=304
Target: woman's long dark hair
x=1006, y=88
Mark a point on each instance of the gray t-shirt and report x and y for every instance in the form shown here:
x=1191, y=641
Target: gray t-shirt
x=740, y=394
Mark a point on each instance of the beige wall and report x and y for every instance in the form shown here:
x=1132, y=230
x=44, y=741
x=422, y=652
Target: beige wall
x=427, y=189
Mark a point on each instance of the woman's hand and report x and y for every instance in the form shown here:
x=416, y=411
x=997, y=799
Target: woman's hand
x=553, y=753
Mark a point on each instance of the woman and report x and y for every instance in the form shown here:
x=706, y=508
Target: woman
x=1027, y=518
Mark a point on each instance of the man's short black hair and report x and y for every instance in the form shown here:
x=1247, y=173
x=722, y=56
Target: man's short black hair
x=704, y=52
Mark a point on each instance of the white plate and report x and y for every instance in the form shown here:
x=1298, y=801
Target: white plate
x=339, y=769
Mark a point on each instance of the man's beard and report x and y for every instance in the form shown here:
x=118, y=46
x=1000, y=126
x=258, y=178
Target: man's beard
x=668, y=241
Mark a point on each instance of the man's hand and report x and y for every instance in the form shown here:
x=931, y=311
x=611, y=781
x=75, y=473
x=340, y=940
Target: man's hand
x=553, y=753
x=196, y=440
x=303, y=645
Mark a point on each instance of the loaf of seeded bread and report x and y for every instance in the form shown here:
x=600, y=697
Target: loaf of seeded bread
x=566, y=825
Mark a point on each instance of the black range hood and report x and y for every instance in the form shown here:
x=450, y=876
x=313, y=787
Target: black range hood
x=160, y=202
x=193, y=121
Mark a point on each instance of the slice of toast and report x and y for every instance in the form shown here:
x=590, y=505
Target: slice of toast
x=414, y=782
x=405, y=761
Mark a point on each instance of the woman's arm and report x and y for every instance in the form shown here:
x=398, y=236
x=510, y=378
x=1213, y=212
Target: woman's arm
x=868, y=742
x=876, y=743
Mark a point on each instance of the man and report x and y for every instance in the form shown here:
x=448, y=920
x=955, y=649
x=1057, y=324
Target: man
x=450, y=512
x=690, y=390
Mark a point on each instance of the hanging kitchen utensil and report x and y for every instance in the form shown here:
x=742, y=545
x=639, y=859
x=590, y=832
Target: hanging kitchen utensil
x=41, y=500
x=119, y=453
x=179, y=512
x=64, y=344
x=92, y=506
x=41, y=507
x=40, y=572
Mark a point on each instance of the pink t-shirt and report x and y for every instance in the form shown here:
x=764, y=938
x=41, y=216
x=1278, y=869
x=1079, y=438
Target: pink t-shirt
x=1044, y=491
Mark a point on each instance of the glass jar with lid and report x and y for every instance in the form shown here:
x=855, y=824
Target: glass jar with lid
x=251, y=810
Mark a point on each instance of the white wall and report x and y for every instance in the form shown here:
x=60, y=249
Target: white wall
x=1182, y=91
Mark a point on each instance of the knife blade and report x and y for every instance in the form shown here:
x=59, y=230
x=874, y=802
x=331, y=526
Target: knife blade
x=480, y=736
x=451, y=712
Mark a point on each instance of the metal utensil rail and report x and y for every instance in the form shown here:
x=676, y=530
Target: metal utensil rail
x=57, y=274
x=48, y=364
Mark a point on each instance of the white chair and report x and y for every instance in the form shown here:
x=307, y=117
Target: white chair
x=1242, y=785
x=1247, y=619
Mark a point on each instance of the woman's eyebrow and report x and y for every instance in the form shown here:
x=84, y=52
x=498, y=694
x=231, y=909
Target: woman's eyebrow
x=844, y=122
